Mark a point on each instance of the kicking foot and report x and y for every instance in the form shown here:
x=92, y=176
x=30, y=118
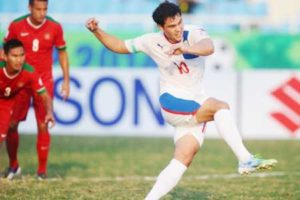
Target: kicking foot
x=256, y=163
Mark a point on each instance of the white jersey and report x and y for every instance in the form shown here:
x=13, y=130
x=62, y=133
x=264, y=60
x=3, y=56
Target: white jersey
x=180, y=75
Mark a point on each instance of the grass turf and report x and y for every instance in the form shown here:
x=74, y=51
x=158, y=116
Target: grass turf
x=117, y=168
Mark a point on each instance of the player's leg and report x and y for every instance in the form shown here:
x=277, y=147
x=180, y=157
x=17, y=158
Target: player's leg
x=213, y=109
x=12, y=144
x=187, y=145
x=6, y=114
x=20, y=110
x=4, y=123
x=43, y=137
x=216, y=110
x=187, y=141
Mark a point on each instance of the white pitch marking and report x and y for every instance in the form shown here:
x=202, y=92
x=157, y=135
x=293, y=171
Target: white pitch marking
x=153, y=178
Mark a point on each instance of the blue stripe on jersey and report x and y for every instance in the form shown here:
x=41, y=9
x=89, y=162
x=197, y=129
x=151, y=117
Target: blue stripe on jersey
x=185, y=38
x=185, y=35
x=189, y=56
x=176, y=105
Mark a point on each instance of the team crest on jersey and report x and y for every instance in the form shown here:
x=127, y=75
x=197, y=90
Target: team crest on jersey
x=20, y=84
x=47, y=36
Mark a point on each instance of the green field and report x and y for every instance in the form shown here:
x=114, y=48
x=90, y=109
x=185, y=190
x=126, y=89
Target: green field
x=124, y=168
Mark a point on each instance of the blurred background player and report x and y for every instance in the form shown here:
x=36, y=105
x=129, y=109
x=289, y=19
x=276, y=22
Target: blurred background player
x=179, y=52
x=39, y=34
x=15, y=76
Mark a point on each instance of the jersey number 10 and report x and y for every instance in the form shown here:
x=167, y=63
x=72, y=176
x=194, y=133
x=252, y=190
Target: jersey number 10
x=183, y=68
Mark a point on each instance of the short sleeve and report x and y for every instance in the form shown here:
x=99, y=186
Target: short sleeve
x=11, y=33
x=37, y=84
x=138, y=44
x=59, y=41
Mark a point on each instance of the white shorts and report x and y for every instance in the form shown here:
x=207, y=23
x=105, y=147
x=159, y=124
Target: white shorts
x=196, y=131
x=180, y=113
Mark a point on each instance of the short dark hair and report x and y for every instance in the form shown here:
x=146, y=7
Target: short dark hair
x=165, y=10
x=11, y=44
x=32, y=1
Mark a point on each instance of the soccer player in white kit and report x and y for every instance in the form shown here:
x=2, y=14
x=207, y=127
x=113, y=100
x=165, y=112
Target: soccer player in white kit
x=180, y=50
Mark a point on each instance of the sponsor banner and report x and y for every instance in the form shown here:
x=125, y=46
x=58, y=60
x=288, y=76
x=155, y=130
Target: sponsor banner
x=271, y=104
x=110, y=101
x=107, y=101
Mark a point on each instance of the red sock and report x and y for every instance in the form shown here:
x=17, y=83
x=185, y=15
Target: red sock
x=12, y=145
x=43, y=146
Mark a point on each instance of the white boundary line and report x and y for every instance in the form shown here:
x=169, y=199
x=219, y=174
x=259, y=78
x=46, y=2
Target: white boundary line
x=153, y=178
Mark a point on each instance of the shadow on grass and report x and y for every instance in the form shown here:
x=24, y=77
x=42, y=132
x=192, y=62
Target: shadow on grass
x=181, y=193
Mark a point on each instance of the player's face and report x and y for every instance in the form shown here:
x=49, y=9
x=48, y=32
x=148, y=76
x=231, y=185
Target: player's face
x=173, y=28
x=15, y=59
x=38, y=11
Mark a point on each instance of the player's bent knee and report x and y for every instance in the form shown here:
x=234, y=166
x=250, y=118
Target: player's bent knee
x=185, y=157
x=185, y=152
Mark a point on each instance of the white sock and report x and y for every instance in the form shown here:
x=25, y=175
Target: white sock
x=167, y=179
x=228, y=130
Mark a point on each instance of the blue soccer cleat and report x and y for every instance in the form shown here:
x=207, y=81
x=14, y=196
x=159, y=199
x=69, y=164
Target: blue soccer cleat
x=256, y=163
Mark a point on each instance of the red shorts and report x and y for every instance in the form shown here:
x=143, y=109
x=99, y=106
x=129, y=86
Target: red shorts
x=23, y=100
x=6, y=109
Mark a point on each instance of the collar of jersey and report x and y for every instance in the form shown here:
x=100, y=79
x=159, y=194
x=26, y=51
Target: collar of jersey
x=35, y=26
x=8, y=76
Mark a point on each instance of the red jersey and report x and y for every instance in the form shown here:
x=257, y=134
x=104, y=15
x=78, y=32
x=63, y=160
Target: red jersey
x=38, y=42
x=11, y=85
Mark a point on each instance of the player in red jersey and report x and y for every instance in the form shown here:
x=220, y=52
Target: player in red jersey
x=15, y=76
x=39, y=34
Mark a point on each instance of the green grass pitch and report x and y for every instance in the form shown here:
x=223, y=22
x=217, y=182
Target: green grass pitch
x=116, y=168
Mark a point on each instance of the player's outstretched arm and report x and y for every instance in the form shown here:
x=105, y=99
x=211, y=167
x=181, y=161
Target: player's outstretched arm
x=47, y=101
x=64, y=63
x=109, y=41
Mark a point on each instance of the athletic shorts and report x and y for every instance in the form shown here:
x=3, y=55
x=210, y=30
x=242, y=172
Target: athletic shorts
x=6, y=109
x=180, y=113
x=23, y=102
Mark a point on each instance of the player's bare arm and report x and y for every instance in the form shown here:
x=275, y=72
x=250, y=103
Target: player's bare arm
x=49, y=118
x=64, y=63
x=109, y=41
x=204, y=47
